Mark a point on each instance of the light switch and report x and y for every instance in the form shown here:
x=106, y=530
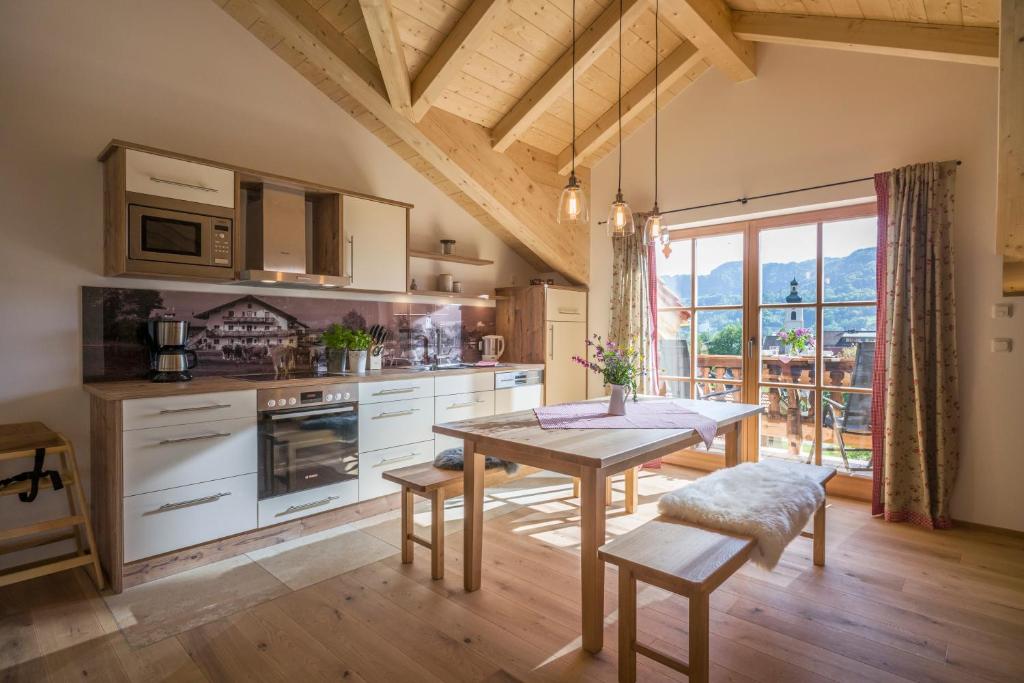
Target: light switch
x=1002, y=345
x=1002, y=311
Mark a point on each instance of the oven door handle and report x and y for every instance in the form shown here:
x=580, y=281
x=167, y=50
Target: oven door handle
x=313, y=413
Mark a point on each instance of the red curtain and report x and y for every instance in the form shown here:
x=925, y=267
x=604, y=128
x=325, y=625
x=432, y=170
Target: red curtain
x=878, y=380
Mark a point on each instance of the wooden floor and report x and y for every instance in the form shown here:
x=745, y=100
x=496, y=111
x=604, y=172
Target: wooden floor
x=894, y=603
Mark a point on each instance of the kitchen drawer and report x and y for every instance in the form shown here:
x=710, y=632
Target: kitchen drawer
x=445, y=385
x=383, y=425
x=395, y=390
x=566, y=304
x=305, y=503
x=162, y=521
x=143, y=413
x=165, y=457
x=186, y=180
x=375, y=463
x=463, y=406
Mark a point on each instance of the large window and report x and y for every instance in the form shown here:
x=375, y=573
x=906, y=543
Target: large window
x=779, y=312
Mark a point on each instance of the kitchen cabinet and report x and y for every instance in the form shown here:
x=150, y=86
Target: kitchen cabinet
x=375, y=463
x=162, y=176
x=547, y=324
x=375, y=244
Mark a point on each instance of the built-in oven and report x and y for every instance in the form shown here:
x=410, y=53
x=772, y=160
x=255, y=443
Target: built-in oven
x=308, y=438
x=195, y=238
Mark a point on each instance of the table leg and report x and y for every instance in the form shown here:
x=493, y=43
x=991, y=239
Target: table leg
x=591, y=538
x=732, y=445
x=473, y=525
x=632, y=495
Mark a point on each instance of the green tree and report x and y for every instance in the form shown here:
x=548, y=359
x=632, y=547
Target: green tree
x=725, y=342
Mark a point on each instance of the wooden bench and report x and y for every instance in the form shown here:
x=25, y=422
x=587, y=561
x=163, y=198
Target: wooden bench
x=687, y=560
x=428, y=482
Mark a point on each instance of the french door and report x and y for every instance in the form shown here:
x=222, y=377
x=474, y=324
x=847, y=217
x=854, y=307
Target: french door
x=779, y=312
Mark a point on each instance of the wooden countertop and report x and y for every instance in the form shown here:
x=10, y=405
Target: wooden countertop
x=124, y=390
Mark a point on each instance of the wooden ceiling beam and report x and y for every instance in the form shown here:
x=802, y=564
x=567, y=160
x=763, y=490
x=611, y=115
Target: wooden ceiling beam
x=458, y=46
x=963, y=44
x=708, y=25
x=515, y=195
x=387, y=46
x=590, y=45
x=671, y=70
x=1010, y=170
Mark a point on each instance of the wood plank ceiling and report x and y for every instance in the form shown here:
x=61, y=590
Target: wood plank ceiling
x=478, y=90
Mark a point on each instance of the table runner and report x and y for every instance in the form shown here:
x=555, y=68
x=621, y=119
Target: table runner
x=639, y=415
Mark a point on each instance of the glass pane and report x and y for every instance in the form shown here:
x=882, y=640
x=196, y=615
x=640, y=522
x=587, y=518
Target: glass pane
x=788, y=336
x=789, y=269
x=720, y=344
x=719, y=262
x=846, y=432
x=719, y=391
x=787, y=425
x=674, y=343
x=677, y=388
x=848, y=346
x=675, y=276
x=848, y=250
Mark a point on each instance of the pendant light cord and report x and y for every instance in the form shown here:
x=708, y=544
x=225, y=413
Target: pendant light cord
x=573, y=172
x=657, y=60
x=620, y=97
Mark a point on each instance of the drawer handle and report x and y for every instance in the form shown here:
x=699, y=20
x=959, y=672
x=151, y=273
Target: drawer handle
x=466, y=405
x=215, y=406
x=218, y=435
x=397, y=413
x=178, y=183
x=167, y=507
x=388, y=392
x=397, y=458
x=306, y=506
x=568, y=311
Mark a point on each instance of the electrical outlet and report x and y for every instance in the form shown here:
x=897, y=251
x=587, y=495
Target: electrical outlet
x=1002, y=310
x=1002, y=345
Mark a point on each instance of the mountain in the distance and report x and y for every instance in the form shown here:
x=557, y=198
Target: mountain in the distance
x=848, y=278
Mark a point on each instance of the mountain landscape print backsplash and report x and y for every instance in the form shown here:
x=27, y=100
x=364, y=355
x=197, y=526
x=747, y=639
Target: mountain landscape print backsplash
x=234, y=334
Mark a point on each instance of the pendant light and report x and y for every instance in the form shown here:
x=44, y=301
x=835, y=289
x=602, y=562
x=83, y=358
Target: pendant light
x=572, y=205
x=653, y=227
x=620, y=217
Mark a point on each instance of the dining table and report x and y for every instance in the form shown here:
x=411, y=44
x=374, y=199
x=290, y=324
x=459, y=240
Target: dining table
x=592, y=455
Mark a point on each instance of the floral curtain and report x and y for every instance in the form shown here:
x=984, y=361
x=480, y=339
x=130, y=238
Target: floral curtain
x=630, y=301
x=921, y=402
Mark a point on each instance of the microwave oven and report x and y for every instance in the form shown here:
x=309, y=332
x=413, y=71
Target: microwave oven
x=180, y=238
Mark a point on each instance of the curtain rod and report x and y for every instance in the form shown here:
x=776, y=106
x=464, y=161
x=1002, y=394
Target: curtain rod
x=744, y=200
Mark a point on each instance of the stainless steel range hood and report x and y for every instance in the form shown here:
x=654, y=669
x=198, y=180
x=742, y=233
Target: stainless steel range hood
x=291, y=238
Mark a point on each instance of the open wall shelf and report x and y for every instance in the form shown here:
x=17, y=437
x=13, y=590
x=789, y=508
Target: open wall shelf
x=453, y=258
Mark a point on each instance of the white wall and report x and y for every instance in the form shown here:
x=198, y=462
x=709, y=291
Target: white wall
x=180, y=75
x=819, y=116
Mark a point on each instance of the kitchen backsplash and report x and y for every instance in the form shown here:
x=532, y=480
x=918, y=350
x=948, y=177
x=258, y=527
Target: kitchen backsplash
x=235, y=334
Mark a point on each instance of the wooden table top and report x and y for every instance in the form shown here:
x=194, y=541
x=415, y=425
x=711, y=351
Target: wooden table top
x=587, y=447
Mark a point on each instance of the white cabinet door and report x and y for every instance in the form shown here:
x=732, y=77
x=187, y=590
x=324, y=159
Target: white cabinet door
x=395, y=423
x=566, y=304
x=518, y=398
x=373, y=464
x=564, y=380
x=166, y=177
x=164, y=411
x=374, y=248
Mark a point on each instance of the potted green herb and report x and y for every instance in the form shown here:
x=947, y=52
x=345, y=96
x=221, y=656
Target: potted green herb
x=336, y=339
x=358, y=350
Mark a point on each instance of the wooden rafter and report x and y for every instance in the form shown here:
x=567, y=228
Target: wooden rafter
x=964, y=44
x=515, y=195
x=708, y=25
x=1010, y=179
x=456, y=49
x=387, y=46
x=591, y=44
x=671, y=70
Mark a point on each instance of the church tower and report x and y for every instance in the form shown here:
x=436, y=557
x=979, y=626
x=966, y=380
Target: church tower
x=794, y=316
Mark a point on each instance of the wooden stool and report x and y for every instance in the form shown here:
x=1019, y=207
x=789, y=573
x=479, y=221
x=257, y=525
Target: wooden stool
x=632, y=496
x=428, y=482
x=687, y=560
x=26, y=440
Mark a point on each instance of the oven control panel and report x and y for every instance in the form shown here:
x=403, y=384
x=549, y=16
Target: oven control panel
x=305, y=397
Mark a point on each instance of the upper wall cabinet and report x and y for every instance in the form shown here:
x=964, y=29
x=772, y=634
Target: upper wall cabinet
x=178, y=179
x=375, y=244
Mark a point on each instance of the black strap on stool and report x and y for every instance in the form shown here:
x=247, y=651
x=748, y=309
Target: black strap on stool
x=34, y=476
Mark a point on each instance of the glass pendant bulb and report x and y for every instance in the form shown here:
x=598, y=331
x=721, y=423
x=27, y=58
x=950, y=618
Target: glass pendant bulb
x=620, y=218
x=652, y=226
x=572, y=205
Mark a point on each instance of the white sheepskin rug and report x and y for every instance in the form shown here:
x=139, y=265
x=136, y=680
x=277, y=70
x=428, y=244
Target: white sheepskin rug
x=770, y=501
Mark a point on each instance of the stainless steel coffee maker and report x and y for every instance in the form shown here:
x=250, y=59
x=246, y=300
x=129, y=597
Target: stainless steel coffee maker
x=169, y=360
